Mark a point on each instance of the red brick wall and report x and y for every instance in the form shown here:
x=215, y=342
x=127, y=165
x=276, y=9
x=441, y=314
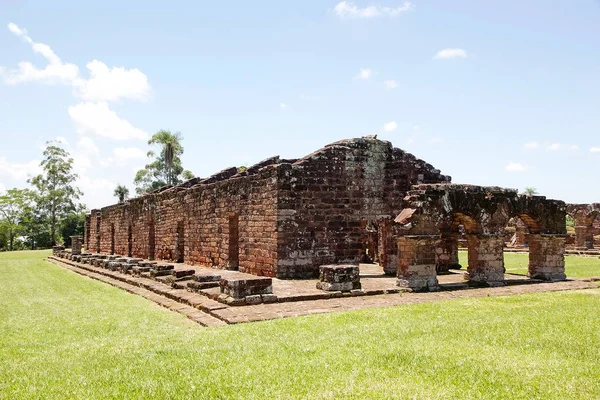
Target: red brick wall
x=289, y=217
x=327, y=198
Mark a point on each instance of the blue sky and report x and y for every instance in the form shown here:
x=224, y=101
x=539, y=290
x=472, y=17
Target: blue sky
x=492, y=93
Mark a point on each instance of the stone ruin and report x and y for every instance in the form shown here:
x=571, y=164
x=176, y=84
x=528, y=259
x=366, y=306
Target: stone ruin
x=587, y=225
x=351, y=201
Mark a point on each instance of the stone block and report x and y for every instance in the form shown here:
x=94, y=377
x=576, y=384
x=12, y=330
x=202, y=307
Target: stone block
x=182, y=272
x=342, y=278
x=239, y=288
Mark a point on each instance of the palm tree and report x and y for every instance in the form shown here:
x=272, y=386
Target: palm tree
x=121, y=192
x=530, y=191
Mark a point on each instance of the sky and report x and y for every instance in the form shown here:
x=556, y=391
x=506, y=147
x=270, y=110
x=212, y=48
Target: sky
x=502, y=93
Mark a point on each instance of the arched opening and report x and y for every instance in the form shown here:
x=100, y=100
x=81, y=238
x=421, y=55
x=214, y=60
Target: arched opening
x=517, y=240
x=462, y=226
x=369, y=243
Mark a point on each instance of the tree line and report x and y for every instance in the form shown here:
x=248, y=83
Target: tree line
x=49, y=212
x=46, y=213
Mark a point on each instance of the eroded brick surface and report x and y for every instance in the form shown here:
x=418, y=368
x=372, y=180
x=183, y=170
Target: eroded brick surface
x=280, y=218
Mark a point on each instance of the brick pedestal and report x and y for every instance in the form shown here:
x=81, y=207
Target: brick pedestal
x=416, y=262
x=339, y=278
x=76, y=242
x=240, y=288
x=486, y=260
x=547, y=257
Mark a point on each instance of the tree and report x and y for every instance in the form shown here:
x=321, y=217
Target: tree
x=121, y=192
x=56, y=194
x=530, y=191
x=13, y=206
x=165, y=168
x=72, y=225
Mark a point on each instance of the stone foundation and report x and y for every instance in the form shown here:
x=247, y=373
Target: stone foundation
x=342, y=278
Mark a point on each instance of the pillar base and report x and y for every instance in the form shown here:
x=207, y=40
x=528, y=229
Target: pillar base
x=419, y=284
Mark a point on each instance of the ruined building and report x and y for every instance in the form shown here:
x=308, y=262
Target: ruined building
x=353, y=199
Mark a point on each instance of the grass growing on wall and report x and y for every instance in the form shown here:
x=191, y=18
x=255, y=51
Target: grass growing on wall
x=66, y=336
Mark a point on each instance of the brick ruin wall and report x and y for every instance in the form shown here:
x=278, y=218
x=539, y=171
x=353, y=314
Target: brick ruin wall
x=333, y=202
x=280, y=218
x=229, y=223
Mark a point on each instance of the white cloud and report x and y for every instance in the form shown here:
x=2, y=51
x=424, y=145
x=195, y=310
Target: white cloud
x=123, y=154
x=16, y=30
x=110, y=84
x=594, y=149
x=365, y=73
x=553, y=147
x=531, y=145
x=450, y=53
x=98, y=119
x=390, y=126
x=436, y=139
x=56, y=71
x=19, y=171
x=573, y=147
x=390, y=84
x=283, y=106
x=96, y=192
x=515, y=167
x=417, y=128
x=347, y=9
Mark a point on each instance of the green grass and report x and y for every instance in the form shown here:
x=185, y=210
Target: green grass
x=517, y=263
x=65, y=336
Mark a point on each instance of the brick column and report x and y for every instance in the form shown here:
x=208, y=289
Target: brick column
x=547, y=257
x=416, y=262
x=584, y=237
x=446, y=253
x=486, y=260
x=76, y=244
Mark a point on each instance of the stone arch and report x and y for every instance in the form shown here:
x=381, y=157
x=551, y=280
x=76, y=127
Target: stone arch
x=584, y=216
x=431, y=213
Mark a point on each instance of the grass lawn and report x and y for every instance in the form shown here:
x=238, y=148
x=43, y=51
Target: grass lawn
x=517, y=263
x=65, y=336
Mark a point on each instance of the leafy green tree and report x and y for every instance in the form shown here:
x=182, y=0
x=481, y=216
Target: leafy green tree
x=72, y=225
x=56, y=194
x=121, y=192
x=530, y=191
x=13, y=206
x=165, y=167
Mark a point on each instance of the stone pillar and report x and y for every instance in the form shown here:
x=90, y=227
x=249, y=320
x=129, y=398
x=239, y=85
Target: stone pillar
x=521, y=236
x=446, y=253
x=486, y=260
x=387, y=252
x=547, y=257
x=584, y=237
x=416, y=262
x=76, y=244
